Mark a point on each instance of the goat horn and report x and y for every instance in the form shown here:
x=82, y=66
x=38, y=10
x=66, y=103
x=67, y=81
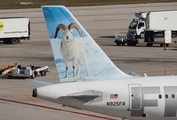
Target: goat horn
x=60, y=26
x=74, y=25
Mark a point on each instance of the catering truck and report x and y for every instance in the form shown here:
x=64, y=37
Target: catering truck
x=160, y=21
x=135, y=30
x=154, y=22
x=14, y=29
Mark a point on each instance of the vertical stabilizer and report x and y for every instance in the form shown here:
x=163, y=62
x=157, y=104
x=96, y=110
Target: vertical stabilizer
x=77, y=56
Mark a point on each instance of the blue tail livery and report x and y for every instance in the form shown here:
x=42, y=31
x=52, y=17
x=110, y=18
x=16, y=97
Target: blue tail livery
x=77, y=56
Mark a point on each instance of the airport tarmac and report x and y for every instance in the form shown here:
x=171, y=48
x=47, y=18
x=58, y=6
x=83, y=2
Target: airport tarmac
x=102, y=22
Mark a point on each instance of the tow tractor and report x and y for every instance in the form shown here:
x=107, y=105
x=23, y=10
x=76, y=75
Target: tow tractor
x=131, y=40
x=18, y=71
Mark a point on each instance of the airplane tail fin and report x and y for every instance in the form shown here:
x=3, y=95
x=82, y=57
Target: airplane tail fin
x=77, y=56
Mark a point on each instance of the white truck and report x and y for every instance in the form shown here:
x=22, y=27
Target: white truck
x=155, y=21
x=13, y=29
x=136, y=30
x=137, y=26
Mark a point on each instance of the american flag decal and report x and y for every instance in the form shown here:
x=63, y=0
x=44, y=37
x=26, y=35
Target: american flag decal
x=113, y=96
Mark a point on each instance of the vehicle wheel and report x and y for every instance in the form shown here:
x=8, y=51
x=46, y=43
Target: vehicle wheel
x=32, y=76
x=142, y=35
x=161, y=44
x=13, y=41
x=134, y=43
x=129, y=43
x=118, y=43
x=149, y=44
x=173, y=34
x=9, y=76
x=18, y=40
x=35, y=74
x=42, y=73
x=167, y=45
x=123, y=43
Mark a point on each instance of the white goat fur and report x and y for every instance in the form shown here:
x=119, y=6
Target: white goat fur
x=73, y=48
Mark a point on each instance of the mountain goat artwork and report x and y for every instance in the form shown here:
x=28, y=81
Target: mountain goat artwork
x=72, y=48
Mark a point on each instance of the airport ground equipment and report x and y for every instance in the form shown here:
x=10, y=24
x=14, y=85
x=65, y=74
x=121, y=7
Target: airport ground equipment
x=152, y=24
x=138, y=25
x=29, y=72
x=153, y=20
x=14, y=29
x=25, y=72
x=136, y=30
x=7, y=70
x=160, y=21
x=131, y=40
x=41, y=70
x=120, y=39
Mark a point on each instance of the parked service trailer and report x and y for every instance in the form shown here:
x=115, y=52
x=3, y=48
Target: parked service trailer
x=14, y=29
x=30, y=71
x=160, y=21
x=22, y=72
x=41, y=70
x=27, y=72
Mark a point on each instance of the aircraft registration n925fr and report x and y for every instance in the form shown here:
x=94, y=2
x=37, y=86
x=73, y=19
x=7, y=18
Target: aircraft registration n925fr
x=89, y=80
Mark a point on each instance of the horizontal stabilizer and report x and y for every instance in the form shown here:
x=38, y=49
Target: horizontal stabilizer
x=134, y=74
x=39, y=83
x=89, y=93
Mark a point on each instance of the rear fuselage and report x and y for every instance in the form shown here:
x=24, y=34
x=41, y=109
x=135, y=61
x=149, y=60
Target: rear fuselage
x=138, y=98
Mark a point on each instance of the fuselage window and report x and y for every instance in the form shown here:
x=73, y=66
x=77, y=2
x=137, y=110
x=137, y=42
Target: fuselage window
x=166, y=96
x=173, y=96
x=160, y=96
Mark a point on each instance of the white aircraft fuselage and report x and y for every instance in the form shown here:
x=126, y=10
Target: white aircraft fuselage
x=152, y=98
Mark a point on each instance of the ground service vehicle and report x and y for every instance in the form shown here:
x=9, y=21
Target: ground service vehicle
x=29, y=72
x=136, y=30
x=137, y=26
x=14, y=29
x=131, y=40
x=120, y=39
x=18, y=71
x=160, y=21
x=155, y=22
